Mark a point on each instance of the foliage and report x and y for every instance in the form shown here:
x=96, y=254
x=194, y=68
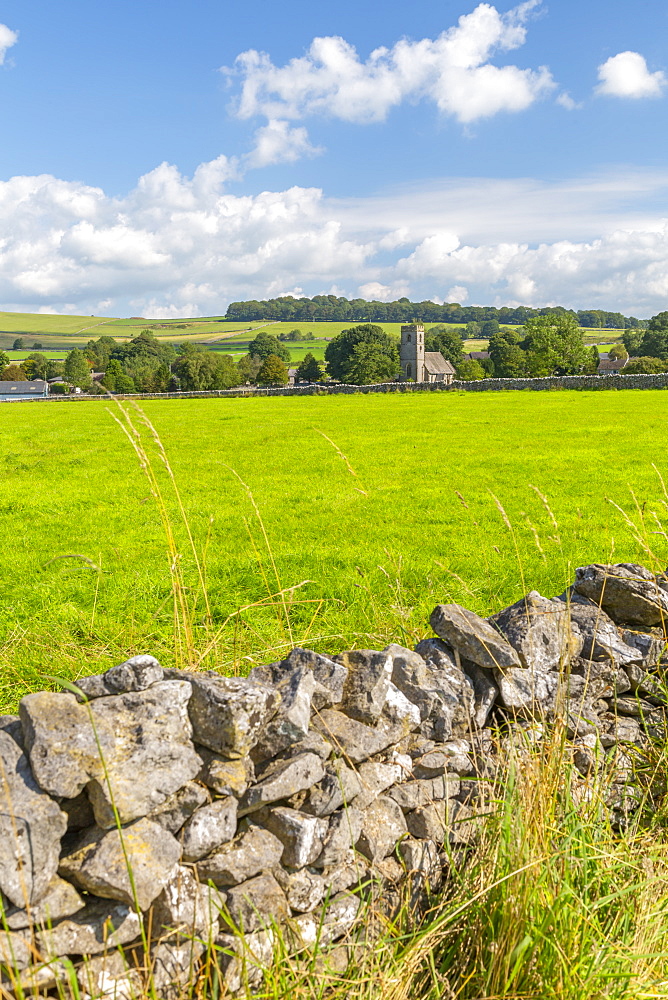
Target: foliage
x=617, y=353
x=18, y=344
x=554, y=345
x=76, y=369
x=447, y=341
x=490, y=328
x=58, y=389
x=347, y=365
x=309, y=370
x=507, y=356
x=99, y=351
x=4, y=362
x=265, y=344
x=38, y=365
x=473, y=330
x=295, y=336
x=201, y=370
x=646, y=366
x=470, y=370
x=272, y=372
x=632, y=339
x=37, y=346
x=655, y=341
x=14, y=373
x=248, y=367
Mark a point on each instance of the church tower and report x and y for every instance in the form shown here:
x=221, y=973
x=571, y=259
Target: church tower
x=411, y=352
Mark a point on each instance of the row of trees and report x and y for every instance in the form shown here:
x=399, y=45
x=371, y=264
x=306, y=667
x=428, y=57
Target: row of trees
x=335, y=308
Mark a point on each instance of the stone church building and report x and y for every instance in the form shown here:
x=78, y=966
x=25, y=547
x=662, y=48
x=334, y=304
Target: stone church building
x=418, y=364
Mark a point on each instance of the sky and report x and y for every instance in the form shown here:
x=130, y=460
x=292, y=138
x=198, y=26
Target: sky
x=166, y=159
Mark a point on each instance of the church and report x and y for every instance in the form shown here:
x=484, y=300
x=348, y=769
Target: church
x=420, y=365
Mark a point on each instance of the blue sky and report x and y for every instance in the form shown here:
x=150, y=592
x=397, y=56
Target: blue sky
x=166, y=159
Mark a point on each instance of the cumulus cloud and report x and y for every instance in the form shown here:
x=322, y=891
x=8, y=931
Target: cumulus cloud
x=179, y=246
x=278, y=142
x=7, y=39
x=627, y=75
x=453, y=71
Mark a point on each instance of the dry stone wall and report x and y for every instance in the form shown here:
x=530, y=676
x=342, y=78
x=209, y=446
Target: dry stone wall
x=154, y=813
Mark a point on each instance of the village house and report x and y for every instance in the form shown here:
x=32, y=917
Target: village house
x=611, y=366
x=24, y=390
x=419, y=365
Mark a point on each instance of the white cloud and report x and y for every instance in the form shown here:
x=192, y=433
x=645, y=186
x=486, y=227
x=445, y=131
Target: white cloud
x=453, y=71
x=627, y=75
x=178, y=246
x=565, y=100
x=278, y=142
x=7, y=39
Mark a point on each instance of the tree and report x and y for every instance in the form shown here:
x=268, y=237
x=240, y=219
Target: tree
x=342, y=360
x=4, y=362
x=617, y=353
x=39, y=365
x=309, y=370
x=272, y=372
x=632, y=339
x=646, y=366
x=265, y=344
x=554, y=345
x=18, y=344
x=14, y=373
x=490, y=328
x=507, y=356
x=248, y=367
x=369, y=363
x=470, y=370
x=37, y=346
x=473, y=330
x=591, y=368
x=654, y=344
x=76, y=369
x=446, y=340
x=113, y=372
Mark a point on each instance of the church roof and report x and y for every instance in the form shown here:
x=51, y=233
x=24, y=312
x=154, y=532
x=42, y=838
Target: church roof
x=436, y=364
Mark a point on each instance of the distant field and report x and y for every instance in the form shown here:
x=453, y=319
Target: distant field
x=380, y=548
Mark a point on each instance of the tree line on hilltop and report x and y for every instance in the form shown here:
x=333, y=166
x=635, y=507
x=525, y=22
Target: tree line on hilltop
x=549, y=344
x=336, y=308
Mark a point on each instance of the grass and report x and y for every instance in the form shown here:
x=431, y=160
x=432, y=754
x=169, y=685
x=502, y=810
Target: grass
x=339, y=521
x=417, y=524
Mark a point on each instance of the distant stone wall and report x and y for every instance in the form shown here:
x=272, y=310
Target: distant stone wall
x=289, y=798
x=579, y=382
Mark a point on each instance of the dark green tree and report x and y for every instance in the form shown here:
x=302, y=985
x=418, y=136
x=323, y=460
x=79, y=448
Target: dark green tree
x=489, y=328
x=272, y=372
x=4, y=363
x=248, y=367
x=265, y=344
x=507, y=356
x=309, y=370
x=18, y=344
x=76, y=370
x=654, y=344
x=340, y=352
x=470, y=370
x=448, y=341
x=39, y=365
x=473, y=330
x=113, y=372
x=591, y=368
x=554, y=345
x=646, y=366
x=632, y=339
x=370, y=363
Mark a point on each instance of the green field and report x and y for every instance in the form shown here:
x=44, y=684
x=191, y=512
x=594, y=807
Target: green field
x=379, y=548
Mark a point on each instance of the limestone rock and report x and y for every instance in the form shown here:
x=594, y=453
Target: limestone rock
x=539, y=630
x=338, y=787
x=225, y=777
x=135, y=674
x=398, y=710
x=180, y=806
x=251, y=852
x=354, y=739
x=290, y=723
x=60, y=900
x=281, y=780
x=630, y=594
x=375, y=777
x=185, y=905
x=602, y=676
x=645, y=684
x=473, y=637
x=208, y=828
x=244, y=959
x=228, y=713
x=349, y=871
x=303, y=889
x=618, y=729
x=31, y=826
x=601, y=637
x=256, y=904
x=421, y=857
x=143, y=732
x=37, y=978
x=101, y=925
x=412, y=795
x=526, y=692
x=343, y=833
x=302, y=835
x=173, y=966
x=329, y=675
x=109, y=977
x=326, y=924
x=15, y=950
x=652, y=648
x=366, y=686
x=485, y=692
x=98, y=864
x=454, y=707
x=382, y=827
x=79, y=812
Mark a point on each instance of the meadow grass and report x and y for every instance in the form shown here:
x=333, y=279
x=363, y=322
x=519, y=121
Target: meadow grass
x=84, y=578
